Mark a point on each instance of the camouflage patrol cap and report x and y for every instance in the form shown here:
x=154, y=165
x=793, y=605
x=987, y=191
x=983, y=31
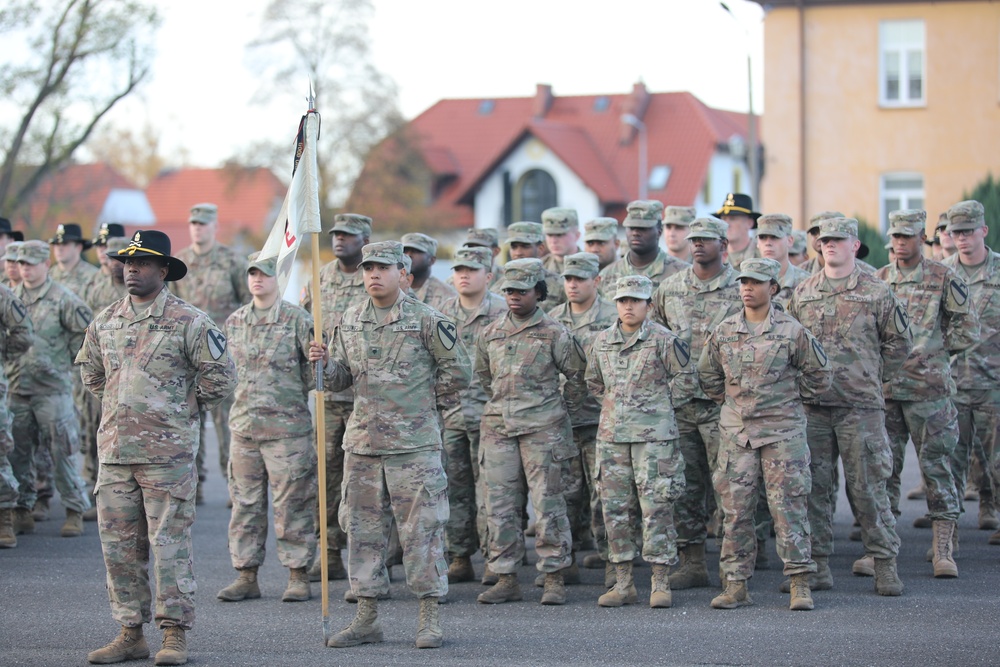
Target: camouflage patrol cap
x=269, y=266
x=33, y=252
x=407, y=263
x=682, y=216
x=352, y=223
x=525, y=232
x=581, y=265
x=942, y=222
x=634, y=287
x=204, y=214
x=778, y=225
x=116, y=243
x=799, y=244
x=643, y=213
x=838, y=228
x=474, y=258
x=488, y=237
x=707, y=228
x=816, y=220
x=560, y=221
x=759, y=268
x=600, y=229
x=421, y=242
x=968, y=214
x=383, y=252
x=907, y=222
x=12, y=249
x=522, y=274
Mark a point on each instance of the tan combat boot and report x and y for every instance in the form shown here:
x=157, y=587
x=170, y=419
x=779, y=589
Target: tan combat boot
x=923, y=521
x=886, y=580
x=735, y=595
x=954, y=546
x=944, y=560
x=128, y=645
x=505, y=590
x=610, y=575
x=994, y=539
x=555, y=589
x=8, y=540
x=623, y=592
x=364, y=629
x=864, y=566
x=661, y=597
x=73, y=527
x=489, y=577
x=987, y=513
x=692, y=572
x=571, y=574
x=40, y=512
x=821, y=581
x=244, y=588
x=334, y=567
x=917, y=493
x=801, y=599
x=174, y=649
x=593, y=562
x=24, y=522
x=298, y=586
x=429, y=634
x=460, y=570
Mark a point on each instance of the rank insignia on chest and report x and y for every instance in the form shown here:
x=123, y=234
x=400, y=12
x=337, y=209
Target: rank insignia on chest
x=374, y=352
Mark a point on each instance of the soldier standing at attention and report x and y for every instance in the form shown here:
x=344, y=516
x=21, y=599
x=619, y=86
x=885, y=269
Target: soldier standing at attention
x=408, y=368
x=487, y=237
x=760, y=365
x=525, y=240
x=797, y=254
x=643, y=226
x=217, y=286
x=676, y=220
x=634, y=366
x=737, y=212
x=948, y=247
x=866, y=334
x=561, y=227
x=71, y=270
x=12, y=271
x=600, y=237
x=422, y=251
x=774, y=241
x=156, y=362
x=526, y=431
x=17, y=336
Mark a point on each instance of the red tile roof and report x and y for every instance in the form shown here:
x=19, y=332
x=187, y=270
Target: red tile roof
x=73, y=193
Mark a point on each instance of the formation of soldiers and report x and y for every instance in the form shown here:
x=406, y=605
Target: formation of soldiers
x=640, y=399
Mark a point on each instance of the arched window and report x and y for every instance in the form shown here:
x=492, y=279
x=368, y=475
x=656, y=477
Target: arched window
x=535, y=192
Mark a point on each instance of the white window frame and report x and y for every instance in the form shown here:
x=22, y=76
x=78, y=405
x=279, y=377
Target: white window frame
x=905, y=195
x=903, y=49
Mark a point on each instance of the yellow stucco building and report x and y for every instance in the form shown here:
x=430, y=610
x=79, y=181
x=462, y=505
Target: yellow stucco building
x=900, y=106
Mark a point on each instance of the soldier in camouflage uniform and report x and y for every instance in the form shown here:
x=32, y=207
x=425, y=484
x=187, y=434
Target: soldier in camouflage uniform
x=272, y=444
x=561, y=227
x=866, y=334
x=526, y=431
x=691, y=304
x=12, y=271
x=760, y=365
x=797, y=254
x=217, y=286
x=156, y=362
x=525, y=241
x=643, y=226
x=637, y=368
x=947, y=240
x=676, y=220
x=422, y=251
x=774, y=241
x=17, y=335
x=815, y=264
x=600, y=237
x=8, y=236
x=487, y=237
x=737, y=212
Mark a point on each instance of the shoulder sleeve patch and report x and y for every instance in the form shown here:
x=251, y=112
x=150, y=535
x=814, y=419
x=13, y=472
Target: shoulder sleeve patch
x=447, y=333
x=83, y=316
x=959, y=291
x=216, y=343
x=18, y=310
x=820, y=353
x=901, y=319
x=682, y=351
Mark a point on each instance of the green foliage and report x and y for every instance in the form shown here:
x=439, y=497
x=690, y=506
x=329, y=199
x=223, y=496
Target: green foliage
x=987, y=193
x=878, y=256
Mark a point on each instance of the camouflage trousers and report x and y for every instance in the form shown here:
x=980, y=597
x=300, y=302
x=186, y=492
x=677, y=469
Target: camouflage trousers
x=8, y=482
x=782, y=469
x=47, y=422
x=286, y=466
x=640, y=479
x=978, y=422
x=140, y=508
x=586, y=442
x=466, y=530
x=858, y=436
x=514, y=465
x=575, y=486
x=335, y=416
x=412, y=489
x=220, y=419
x=933, y=427
x=44, y=469
x=698, y=425
x=90, y=420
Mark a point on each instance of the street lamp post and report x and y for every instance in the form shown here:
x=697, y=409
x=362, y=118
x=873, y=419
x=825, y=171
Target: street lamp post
x=631, y=119
x=752, y=122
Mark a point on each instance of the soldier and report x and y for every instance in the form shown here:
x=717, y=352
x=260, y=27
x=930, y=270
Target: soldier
x=692, y=304
x=422, y=251
x=472, y=310
x=815, y=264
x=217, y=286
x=7, y=236
x=918, y=401
x=108, y=284
x=585, y=314
x=866, y=334
x=12, y=271
x=635, y=368
x=561, y=227
x=760, y=365
x=600, y=237
x=526, y=431
x=487, y=237
x=17, y=336
x=643, y=228
x=525, y=240
x=737, y=212
x=71, y=270
x=41, y=388
x=676, y=220
x=272, y=444
x=409, y=368
x=797, y=254
x=155, y=361
x=945, y=237
x=774, y=241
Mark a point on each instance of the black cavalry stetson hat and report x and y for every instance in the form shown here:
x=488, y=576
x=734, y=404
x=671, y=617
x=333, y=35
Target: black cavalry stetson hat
x=737, y=202
x=108, y=230
x=69, y=233
x=153, y=244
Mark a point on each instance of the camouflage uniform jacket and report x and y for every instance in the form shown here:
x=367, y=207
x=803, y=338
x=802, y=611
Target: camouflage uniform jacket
x=77, y=279
x=216, y=282
x=519, y=364
x=102, y=292
x=435, y=293
x=863, y=328
x=60, y=319
x=407, y=372
x=641, y=378
x=736, y=258
x=470, y=329
x=761, y=379
x=812, y=266
x=788, y=282
x=943, y=322
x=554, y=284
x=658, y=271
x=692, y=308
x=16, y=331
x=272, y=362
x=585, y=327
x=154, y=368
x=978, y=367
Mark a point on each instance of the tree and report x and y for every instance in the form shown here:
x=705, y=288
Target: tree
x=987, y=193
x=878, y=256
x=134, y=152
x=66, y=64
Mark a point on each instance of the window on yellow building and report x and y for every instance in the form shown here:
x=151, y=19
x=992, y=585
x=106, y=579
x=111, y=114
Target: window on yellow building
x=902, y=63
x=898, y=191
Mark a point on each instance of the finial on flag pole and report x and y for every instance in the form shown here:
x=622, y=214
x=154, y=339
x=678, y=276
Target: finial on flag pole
x=311, y=99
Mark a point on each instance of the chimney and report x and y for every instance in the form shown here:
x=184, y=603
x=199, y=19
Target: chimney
x=543, y=100
x=635, y=104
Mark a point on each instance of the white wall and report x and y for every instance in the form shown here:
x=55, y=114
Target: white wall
x=721, y=169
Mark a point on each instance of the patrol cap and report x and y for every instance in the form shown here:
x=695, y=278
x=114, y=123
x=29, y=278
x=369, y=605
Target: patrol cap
x=488, y=237
x=634, y=287
x=600, y=229
x=474, y=258
x=69, y=233
x=778, y=225
x=838, y=228
x=643, y=213
x=525, y=232
x=799, y=243
x=33, y=252
x=407, y=262
x=421, y=242
x=682, y=216
x=383, y=252
x=707, y=228
x=12, y=249
x=816, y=220
x=581, y=265
x=116, y=243
x=204, y=214
x=560, y=221
x=352, y=223
x=759, y=268
x=268, y=266
x=907, y=222
x=968, y=214
x=942, y=222
x=522, y=274
x=108, y=230
x=152, y=244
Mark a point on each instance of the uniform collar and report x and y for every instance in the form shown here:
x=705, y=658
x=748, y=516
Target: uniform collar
x=142, y=311
x=29, y=298
x=744, y=327
x=725, y=277
x=895, y=277
x=395, y=312
x=510, y=325
x=852, y=280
